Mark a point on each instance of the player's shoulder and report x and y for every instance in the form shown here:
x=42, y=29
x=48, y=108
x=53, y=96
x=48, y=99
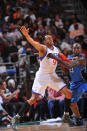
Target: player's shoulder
x=71, y=56
x=56, y=48
x=82, y=55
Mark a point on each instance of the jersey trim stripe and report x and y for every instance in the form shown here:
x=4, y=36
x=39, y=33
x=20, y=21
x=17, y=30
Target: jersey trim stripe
x=36, y=93
x=41, y=58
x=62, y=88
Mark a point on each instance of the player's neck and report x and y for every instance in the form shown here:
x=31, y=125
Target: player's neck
x=51, y=47
x=76, y=54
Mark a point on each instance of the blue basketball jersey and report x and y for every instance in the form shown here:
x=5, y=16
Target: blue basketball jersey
x=74, y=73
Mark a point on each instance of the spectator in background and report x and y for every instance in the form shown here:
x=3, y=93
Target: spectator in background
x=66, y=25
x=2, y=46
x=16, y=15
x=65, y=45
x=25, y=64
x=76, y=29
x=59, y=26
x=5, y=52
x=1, y=59
x=22, y=50
x=4, y=36
x=58, y=22
x=13, y=51
x=75, y=23
x=55, y=103
x=67, y=38
x=83, y=106
x=41, y=109
x=66, y=52
x=2, y=69
x=6, y=95
x=40, y=30
x=32, y=16
x=12, y=35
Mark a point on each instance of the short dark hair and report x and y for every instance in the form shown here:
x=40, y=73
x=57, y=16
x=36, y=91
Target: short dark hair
x=4, y=31
x=3, y=76
x=76, y=44
x=1, y=81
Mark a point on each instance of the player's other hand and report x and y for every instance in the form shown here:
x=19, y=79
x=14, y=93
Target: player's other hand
x=24, y=30
x=75, y=58
x=82, y=61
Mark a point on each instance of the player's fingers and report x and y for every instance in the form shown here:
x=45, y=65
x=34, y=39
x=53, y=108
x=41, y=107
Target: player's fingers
x=23, y=28
x=18, y=27
x=28, y=29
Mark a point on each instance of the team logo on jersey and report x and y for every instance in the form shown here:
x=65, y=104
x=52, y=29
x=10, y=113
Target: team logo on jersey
x=56, y=54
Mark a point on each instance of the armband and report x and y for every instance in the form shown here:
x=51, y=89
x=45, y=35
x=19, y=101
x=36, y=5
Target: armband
x=64, y=58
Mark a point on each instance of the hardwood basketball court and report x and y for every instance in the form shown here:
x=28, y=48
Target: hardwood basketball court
x=48, y=127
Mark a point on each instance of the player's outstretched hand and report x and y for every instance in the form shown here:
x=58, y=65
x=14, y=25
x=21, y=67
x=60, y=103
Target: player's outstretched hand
x=24, y=30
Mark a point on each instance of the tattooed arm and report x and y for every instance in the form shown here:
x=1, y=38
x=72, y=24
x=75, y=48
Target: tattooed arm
x=68, y=65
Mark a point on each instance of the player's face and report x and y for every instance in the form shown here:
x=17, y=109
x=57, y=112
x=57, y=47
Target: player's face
x=77, y=49
x=4, y=85
x=48, y=40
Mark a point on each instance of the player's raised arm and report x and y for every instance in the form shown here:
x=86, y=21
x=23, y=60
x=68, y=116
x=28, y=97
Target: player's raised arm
x=70, y=64
x=39, y=47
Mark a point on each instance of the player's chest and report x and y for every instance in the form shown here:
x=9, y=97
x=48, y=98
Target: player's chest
x=52, y=61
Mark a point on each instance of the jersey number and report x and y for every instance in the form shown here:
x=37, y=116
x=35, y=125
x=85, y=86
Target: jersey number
x=54, y=62
x=71, y=70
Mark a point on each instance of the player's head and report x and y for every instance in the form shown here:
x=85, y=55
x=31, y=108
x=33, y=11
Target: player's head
x=48, y=40
x=76, y=49
x=2, y=84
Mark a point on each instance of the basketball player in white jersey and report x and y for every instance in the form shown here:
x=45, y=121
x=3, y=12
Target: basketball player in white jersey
x=46, y=76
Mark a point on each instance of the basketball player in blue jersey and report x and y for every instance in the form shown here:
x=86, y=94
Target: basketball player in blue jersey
x=77, y=85
x=46, y=76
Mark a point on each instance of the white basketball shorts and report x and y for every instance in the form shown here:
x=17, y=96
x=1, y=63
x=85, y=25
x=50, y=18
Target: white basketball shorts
x=43, y=80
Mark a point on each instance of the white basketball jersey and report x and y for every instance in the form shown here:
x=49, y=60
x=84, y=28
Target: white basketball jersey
x=48, y=65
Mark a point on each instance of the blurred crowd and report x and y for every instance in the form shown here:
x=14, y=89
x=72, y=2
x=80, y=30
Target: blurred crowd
x=41, y=17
